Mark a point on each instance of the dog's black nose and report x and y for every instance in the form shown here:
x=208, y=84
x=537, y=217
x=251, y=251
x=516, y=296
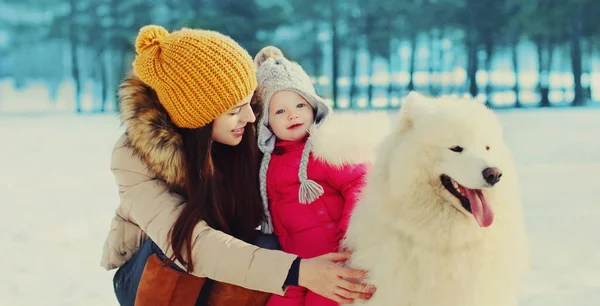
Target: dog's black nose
x=492, y=175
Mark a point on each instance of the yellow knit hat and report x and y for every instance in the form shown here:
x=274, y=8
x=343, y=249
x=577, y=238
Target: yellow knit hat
x=197, y=74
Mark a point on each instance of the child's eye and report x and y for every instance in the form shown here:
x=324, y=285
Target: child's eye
x=301, y=105
x=234, y=113
x=279, y=112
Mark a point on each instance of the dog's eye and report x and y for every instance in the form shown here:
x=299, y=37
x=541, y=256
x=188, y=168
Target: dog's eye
x=487, y=148
x=457, y=149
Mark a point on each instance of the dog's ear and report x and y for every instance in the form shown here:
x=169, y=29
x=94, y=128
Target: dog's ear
x=416, y=104
x=412, y=107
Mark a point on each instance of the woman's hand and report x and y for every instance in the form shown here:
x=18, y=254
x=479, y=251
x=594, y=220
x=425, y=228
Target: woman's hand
x=325, y=277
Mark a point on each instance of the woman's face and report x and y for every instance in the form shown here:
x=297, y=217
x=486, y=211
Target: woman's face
x=228, y=128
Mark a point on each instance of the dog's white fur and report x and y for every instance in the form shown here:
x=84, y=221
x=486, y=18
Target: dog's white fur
x=348, y=138
x=420, y=246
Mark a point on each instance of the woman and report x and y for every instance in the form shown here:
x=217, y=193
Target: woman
x=187, y=171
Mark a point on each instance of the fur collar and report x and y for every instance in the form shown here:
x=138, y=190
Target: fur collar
x=349, y=138
x=151, y=133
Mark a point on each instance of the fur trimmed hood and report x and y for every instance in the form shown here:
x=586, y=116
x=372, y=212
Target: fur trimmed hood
x=151, y=133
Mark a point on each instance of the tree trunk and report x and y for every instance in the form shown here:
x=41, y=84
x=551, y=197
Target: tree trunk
x=369, y=25
x=472, y=66
x=103, y=81
x=576, y=58
x=413, y=50
x=390, y=89
x=552, y=46
x=441, y=66
x=472, y=46
x=430, y=69
x=370, y=87
x=316, y=57
x=589, y=68
x=544, y=69
x=121, y=58
x=515, y=64
x=353, y=73
x=335, y=51
x=489, y=56
x=74, y=58
x=316, y=54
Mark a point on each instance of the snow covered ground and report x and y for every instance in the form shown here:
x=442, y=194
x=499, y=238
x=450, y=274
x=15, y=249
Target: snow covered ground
x=57, y=196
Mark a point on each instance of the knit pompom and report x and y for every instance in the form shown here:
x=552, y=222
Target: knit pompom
x=265, y=54
x=151, y=35
x=309, y=191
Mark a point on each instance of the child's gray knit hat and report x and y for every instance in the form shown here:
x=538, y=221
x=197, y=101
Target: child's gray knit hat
x=275, y=73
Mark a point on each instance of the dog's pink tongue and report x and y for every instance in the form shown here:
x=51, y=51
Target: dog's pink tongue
x=480, y=208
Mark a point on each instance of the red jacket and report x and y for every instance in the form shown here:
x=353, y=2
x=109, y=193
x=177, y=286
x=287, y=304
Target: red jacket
x=313, y=229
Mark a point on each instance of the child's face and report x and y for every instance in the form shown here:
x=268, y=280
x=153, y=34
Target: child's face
x=290, y=115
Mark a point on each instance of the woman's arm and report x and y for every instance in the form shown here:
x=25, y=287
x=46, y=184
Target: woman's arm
x=147, y=201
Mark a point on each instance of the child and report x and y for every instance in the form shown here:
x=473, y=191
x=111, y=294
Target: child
x=309, y=196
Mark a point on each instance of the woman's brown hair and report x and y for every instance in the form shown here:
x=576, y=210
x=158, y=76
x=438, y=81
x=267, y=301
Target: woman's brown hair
x=222, y=189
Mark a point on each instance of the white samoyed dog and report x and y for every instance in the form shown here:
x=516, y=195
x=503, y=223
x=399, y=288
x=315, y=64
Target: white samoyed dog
x=439, y=222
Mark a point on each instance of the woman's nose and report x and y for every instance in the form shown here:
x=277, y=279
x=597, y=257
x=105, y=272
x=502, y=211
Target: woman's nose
x=249, y=115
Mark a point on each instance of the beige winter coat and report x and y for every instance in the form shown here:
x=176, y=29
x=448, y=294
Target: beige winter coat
x=147, y=165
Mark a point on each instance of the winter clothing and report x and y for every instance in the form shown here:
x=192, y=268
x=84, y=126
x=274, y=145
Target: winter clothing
x=162, y=285
x=309, y=197
x=275, y=73
x=298, y=296
x=176, y=286
x=127, y=278
x=314, y=229
x=147, y=163
x=197, y=74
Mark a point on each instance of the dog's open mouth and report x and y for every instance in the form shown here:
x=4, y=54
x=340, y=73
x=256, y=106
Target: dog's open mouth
x=472, y=200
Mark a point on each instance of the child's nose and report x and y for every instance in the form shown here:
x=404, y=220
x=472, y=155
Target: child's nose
x=292, y=116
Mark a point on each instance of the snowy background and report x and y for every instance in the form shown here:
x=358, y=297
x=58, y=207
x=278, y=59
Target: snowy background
x=62, y=57
x=57, y=197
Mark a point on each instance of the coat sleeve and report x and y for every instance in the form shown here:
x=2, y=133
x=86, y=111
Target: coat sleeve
x=349, y=179
x=148, y=203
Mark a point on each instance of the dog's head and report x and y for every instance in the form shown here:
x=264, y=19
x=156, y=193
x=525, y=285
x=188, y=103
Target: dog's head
x=462, y=147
